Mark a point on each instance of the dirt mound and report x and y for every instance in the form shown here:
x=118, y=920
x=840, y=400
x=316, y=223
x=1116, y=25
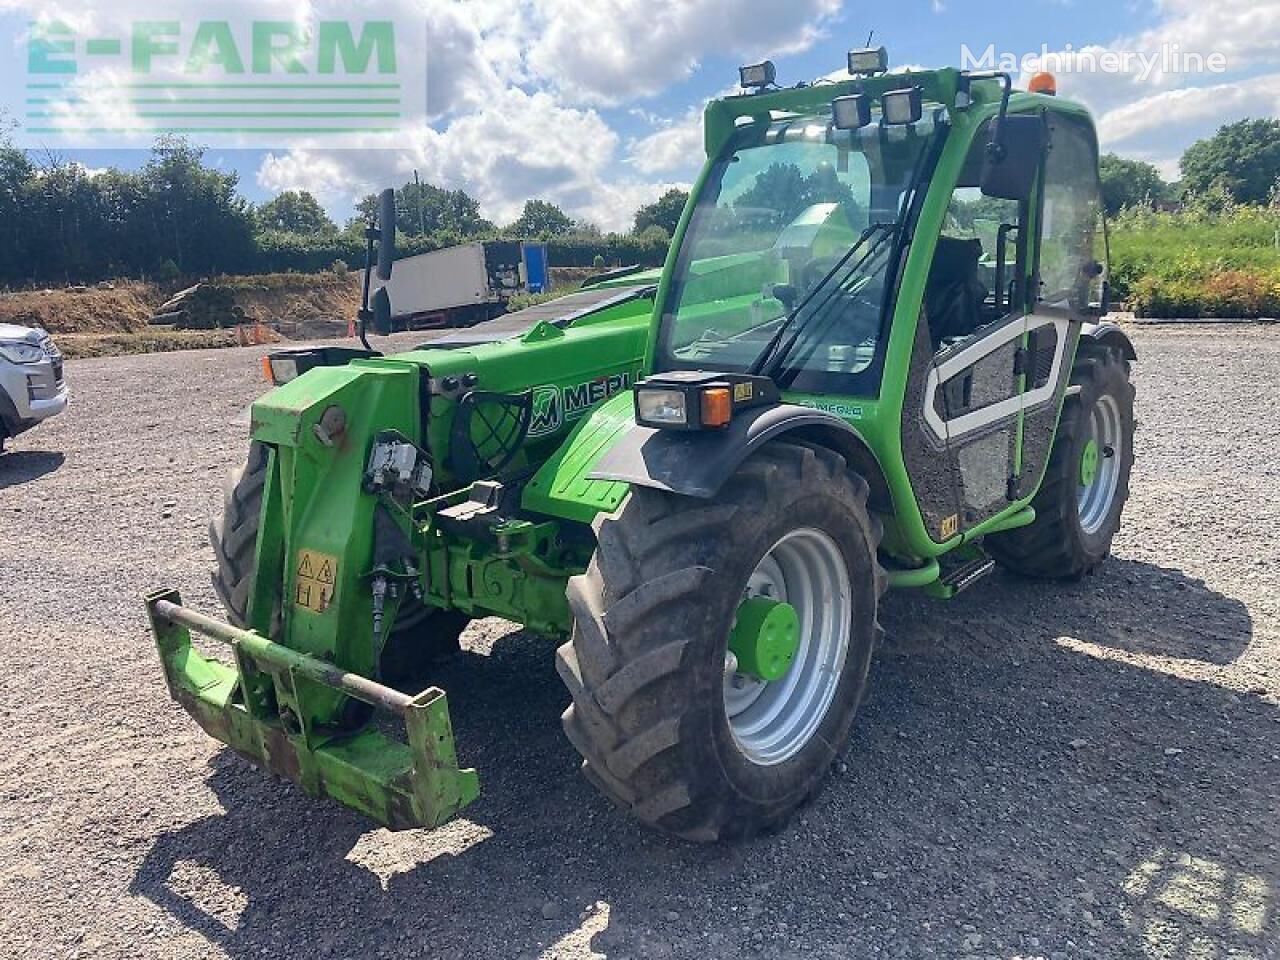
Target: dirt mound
x=287, y=302
x=295, y=304
x=118, y=308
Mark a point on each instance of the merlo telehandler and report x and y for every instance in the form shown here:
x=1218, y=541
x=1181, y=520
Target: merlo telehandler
x=875, y=357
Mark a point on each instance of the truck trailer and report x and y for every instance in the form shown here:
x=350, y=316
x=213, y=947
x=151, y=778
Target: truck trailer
x=462, y=285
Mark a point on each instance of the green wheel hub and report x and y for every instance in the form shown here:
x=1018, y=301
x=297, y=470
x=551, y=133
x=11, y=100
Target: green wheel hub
x=1089, y=463
x=765, y=638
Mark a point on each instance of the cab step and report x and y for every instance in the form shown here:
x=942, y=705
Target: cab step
x=961, y=576
x=966, y=575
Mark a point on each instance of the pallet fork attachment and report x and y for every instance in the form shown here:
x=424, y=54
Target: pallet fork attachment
x=262, y=708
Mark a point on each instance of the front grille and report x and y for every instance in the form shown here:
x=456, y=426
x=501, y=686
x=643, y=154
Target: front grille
x=55, y=356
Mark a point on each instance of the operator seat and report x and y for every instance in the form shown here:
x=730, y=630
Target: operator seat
x=954, y=294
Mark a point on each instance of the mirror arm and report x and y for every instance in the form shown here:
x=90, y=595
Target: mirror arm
x=1006, y=90
x=363, y=316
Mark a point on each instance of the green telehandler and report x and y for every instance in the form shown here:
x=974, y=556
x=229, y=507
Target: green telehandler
x=875, y=357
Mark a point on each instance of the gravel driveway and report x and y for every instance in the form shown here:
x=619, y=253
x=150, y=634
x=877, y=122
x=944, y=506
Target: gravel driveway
x=1087, y=770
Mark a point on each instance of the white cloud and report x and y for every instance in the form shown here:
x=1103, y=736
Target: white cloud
x=675, y=146
x=1159, y=127
x=610, y=51
x=519, y=146
x=1180, y=80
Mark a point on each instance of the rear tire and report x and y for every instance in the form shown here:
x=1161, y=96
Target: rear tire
x=647, y=662
x=419, y=637
x=1076, y=522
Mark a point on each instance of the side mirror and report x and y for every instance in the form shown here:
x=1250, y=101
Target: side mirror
x=382, y=312
x=1013, y=157
x=387, y=233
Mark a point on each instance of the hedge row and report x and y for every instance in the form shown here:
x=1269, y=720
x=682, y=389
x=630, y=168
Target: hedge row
x=1197, y=262
x=1232, y=293
x=283, y=252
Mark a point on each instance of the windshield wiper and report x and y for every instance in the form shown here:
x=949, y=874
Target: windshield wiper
x=775, y=349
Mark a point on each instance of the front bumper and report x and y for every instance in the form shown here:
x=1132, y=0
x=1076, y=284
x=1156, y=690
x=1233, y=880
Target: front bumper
x=38, y=410
x=260, y=708
x=30, y=393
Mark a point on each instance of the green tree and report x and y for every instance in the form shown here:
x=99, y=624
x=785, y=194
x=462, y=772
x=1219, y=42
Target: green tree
x=16, y=174
x=295, y=211
x=194, y=214
x=425, y=210
x=663, y=212
x=540, y=218
x=1129, y=183
x=1242, y=158
x=781, y=193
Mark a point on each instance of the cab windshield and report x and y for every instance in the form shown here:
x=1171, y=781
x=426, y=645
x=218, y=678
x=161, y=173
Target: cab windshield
x=800, y=219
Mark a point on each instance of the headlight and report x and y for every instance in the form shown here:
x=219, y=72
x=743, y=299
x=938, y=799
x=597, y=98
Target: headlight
x=661, y=408
x=852, y=112
x=902, y=106
x=756, y=76
x=868, y=61
x=699, y=399
x=19, y=351
x=283, y=369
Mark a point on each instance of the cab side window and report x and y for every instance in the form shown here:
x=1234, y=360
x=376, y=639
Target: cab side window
x=1071, y=214
x=973, y=272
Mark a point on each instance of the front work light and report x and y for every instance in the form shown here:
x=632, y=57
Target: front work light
x=756, y=76
x=902, y=106
x=852, y=112
x=869, y=61
x=699, y=400
x=662, y=408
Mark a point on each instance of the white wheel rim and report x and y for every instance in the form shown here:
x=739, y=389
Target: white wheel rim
x=772, y=721
x=1106, y=430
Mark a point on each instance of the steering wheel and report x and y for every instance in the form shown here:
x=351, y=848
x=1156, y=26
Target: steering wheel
x=813, y=271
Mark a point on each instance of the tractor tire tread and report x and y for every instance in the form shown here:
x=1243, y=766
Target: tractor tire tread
x=1052, y=547
x=626, y=673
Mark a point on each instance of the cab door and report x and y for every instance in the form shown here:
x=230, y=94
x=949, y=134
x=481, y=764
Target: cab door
x=1066, y=267
x=976, y=320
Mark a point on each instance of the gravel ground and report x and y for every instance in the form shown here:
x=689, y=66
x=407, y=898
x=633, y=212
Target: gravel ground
x=1042, y=770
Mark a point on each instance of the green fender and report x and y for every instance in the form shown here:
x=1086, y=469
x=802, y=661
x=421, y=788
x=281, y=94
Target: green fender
x=563, y=487
x=599, y=462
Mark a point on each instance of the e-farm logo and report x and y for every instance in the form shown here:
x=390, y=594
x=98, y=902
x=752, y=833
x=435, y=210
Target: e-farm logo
x=229, y=82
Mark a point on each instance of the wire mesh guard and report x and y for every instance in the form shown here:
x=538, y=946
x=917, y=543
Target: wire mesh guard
x=488, y=431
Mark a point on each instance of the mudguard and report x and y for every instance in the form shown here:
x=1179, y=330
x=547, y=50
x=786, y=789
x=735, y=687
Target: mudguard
x=1111, y=334
x=696, y=464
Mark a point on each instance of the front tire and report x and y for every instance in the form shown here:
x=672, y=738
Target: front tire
x=1086, y=482
x=656, y=716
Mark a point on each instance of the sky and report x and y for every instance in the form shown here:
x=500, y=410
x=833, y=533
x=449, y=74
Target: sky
x=596, y=105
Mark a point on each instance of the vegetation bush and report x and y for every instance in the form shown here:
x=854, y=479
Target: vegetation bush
x=1210, y=259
